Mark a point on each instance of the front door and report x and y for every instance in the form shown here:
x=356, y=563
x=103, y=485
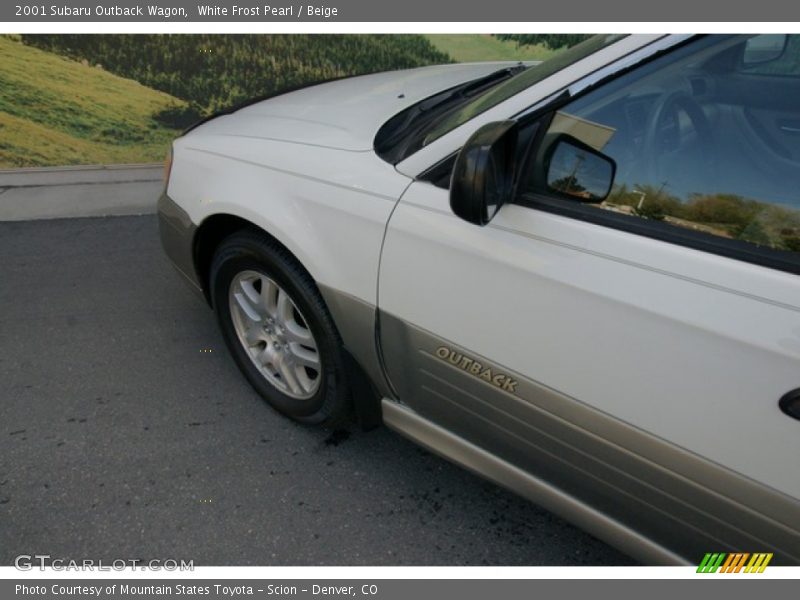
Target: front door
x=633, y=353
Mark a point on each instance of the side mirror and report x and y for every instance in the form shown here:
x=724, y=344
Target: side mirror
x=579, y=171
x=483, y=176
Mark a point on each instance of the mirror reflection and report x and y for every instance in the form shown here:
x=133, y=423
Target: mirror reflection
x=578, y=171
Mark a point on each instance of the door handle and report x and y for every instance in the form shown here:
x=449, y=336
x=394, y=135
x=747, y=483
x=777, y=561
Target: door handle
x=790, y=403
x=789, y=126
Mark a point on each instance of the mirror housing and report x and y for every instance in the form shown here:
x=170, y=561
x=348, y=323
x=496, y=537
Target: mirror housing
x=483, y=174
x=764, y=48
x=578, y=171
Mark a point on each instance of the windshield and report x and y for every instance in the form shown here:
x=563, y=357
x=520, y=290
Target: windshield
x=395, y=143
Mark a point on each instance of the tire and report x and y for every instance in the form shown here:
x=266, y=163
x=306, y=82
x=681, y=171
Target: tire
x=275, y=324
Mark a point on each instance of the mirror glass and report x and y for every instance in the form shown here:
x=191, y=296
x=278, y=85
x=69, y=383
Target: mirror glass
x=580, y=172
x=764, y=48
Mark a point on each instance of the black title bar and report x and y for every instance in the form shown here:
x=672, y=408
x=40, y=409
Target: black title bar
x=184, y=11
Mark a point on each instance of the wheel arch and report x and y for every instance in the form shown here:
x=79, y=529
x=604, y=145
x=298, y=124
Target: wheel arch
x=209, y=235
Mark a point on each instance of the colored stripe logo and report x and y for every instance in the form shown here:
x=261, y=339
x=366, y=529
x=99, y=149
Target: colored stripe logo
x=735, y=562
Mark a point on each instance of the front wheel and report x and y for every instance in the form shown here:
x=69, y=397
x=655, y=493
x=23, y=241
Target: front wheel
x=278, y=329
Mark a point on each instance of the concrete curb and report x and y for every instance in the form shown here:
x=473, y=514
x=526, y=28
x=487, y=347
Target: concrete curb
x=79, y=191
x=37, y=176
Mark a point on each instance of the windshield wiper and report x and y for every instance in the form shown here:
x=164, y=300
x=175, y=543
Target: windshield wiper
x=389, y=142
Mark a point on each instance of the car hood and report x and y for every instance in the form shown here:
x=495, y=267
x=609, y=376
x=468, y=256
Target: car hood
x=344, y=114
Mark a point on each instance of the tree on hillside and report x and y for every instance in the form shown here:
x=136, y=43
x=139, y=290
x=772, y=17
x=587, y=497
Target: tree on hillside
x=217, y=71
x=550, y=40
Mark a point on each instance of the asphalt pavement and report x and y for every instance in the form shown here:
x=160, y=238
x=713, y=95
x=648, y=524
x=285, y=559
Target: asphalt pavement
x=127, y=432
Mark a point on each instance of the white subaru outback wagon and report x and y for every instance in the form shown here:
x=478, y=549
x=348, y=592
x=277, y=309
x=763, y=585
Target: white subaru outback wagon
x=578, y=279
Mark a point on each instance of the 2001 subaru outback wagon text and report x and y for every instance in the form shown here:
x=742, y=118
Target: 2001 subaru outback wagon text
x=578, y=279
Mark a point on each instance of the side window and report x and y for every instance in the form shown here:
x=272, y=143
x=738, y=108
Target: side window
x=705, y=139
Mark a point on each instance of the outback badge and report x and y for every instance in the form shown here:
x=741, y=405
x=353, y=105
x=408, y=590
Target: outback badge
x=479, y=370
